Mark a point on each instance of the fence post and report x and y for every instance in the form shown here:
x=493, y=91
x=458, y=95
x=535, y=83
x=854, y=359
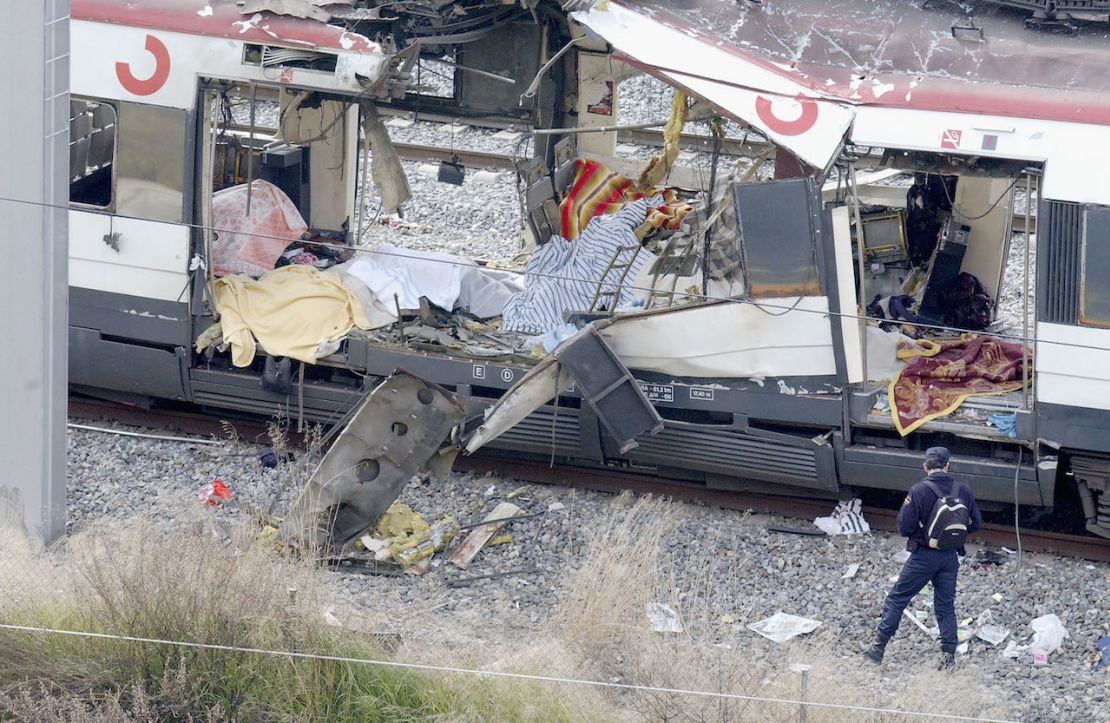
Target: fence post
x=803, y=670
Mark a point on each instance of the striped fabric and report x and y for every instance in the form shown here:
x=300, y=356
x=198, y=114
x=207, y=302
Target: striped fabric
x=598, y=191
x=563, y=275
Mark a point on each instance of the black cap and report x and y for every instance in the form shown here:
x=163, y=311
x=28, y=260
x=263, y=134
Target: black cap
x=936, y=457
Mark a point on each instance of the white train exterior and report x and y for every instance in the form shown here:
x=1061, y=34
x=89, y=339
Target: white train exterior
x=750, y=399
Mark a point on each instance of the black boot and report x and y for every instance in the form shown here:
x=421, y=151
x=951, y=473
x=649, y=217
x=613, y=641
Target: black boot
x=947, y=661
x=876, y=650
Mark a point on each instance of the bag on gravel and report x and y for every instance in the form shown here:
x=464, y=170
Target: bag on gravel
x=947, y=523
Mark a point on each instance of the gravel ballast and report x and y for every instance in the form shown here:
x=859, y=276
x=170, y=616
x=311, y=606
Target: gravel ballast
x=719, y=562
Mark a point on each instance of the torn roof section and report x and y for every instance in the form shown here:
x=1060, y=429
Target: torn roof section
x=796, y=117
x=223, y=19
x=840, y=54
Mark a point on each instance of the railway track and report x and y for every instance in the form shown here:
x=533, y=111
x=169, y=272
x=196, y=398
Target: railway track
x=604, y=480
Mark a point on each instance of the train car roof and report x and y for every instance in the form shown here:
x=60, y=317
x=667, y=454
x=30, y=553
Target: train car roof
x=842, y=56
x=223, y=19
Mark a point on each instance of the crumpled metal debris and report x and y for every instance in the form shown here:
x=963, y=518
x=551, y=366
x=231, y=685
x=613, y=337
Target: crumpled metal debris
x=400, y=426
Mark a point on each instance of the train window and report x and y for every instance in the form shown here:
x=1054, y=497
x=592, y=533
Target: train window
x=92, y=152
x=776, y=238
x=150, y=176
x=1094, y=285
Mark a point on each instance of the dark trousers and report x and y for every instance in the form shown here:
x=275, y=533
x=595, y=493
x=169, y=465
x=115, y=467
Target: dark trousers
x=938, y=567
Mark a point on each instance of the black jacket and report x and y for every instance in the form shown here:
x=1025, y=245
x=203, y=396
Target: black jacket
x=919, y=504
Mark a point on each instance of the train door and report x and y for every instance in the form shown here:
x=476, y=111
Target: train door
x=278, y=171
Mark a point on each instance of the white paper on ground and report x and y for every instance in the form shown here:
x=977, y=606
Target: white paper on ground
x=663, y=618
x=781, y=626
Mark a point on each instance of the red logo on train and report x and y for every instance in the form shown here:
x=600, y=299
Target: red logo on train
x=154, y=83
x=795, y=127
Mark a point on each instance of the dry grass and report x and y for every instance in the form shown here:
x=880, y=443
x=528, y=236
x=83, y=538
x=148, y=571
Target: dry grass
x=603, y=624
x=201, y=584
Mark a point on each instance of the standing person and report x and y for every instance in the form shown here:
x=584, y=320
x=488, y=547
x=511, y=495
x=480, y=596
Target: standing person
x=936, y=517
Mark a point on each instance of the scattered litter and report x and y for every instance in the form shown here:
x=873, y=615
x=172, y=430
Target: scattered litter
x=808, y=531
x=213, y=493
x=901, y=556
x=478, y=537
x=893, y=578
x=329, y=617
x=991, y=633
x=781, y=626
x=377, y=546
x=1101, y=657
x=504, y=539
x=1008, y=551
x=1048, y=637
x=463, y=581
x=491, y=491
x=932, y=632
x=962, y=648
x=518, y=492
x=851, y=571
x=663, y=618
x=989, y=557
x=846, y=519
x=556, y=506
x=270, y=459
x=997, y=597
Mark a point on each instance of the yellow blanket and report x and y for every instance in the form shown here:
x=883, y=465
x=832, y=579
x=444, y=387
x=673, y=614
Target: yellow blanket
x=291, y=311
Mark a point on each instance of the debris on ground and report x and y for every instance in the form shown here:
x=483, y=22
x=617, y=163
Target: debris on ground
x=481, y=534
x=846, y=519
x=781, y=626
x=394, y=432
x=214, y=493
x=663, y=618
x=850, y=572
x=1048, y=637
x=1100, y=658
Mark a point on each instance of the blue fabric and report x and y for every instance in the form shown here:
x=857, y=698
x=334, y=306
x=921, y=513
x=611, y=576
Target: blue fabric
x=919, y=503
x=1005, y=423
x=939, y=567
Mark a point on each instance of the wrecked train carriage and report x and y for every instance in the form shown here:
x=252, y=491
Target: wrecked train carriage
x=777, y=383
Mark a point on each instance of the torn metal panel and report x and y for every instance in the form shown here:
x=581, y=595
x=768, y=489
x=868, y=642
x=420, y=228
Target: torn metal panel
x=900, y=54
x=397, y=429
x=602, y=380
x=543, y=382
x=609, y=388
x=295, y=8
x=386, y=170
x=222, y=18
x=790, y=113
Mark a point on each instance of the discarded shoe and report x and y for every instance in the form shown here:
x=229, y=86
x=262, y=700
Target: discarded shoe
x=947, y=661
x=876, y=650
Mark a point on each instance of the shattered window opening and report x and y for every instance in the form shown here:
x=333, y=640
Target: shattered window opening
x=92, y=152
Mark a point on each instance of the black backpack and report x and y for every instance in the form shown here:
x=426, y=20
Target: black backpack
x=946, y=525
x=967, y=304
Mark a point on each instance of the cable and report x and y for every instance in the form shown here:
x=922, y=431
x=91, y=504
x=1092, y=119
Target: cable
x=1017, y=528
x=986, y=213
x=167, y=438
x=493, y=673
x=706, y=297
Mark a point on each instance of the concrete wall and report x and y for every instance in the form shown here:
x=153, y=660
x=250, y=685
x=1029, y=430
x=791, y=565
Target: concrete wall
x=34, y=138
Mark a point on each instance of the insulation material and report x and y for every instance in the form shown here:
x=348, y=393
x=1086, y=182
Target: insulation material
x=252, y=244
